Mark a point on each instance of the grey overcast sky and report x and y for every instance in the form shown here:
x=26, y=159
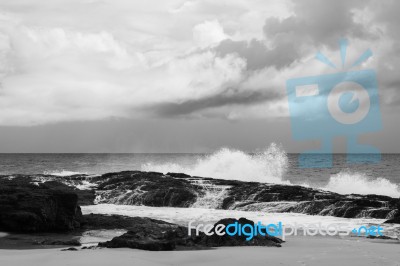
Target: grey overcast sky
x=179, y=76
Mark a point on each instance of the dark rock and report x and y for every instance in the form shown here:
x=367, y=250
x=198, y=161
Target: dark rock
x=85, y=197
x=226, y=240
x=381, y=237
x=150, y=234
x=178, y=175
x=103, y=221
x=155, y=235
x=395, y=219
x=149, y=189
x=28, y=207
x=69, y=249
x=181, y=190
x=89, y=247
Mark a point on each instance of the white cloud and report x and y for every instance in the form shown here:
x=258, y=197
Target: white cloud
x=72, y=60
x=208, y=33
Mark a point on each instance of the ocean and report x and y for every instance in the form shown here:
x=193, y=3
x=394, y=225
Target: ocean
x=271, y=165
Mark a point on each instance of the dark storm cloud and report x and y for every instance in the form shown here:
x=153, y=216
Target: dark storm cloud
x=319, y=22
x=224, y=99
x=313, y=24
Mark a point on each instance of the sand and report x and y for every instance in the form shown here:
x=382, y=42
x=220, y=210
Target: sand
x=296, y=251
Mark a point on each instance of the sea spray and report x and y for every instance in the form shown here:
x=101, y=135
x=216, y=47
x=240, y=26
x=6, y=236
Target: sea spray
x=347, y=182
x=268, y=166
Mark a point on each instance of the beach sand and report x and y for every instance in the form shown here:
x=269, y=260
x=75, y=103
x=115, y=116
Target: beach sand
x=298, y=250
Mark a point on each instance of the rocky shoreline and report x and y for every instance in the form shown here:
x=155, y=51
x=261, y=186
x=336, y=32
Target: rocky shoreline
x=44, y=203
x=181, y=190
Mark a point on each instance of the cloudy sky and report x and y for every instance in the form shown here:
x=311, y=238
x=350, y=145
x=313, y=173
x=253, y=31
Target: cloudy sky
x=176, y=75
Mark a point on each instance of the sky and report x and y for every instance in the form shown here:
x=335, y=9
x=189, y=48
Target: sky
x=180, y=76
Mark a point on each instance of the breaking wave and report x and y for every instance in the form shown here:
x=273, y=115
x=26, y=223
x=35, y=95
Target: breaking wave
x=346, y=182
x=62, y=173
x=268, y=166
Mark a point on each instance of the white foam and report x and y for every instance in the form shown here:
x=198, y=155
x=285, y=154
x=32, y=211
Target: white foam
x=93, y=237
x=268, y=166
x=63, y=173
x=346, y=182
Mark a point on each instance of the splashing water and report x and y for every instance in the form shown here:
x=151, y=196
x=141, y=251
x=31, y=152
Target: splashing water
x=62, y=173
x=268, y=166
x=346, y=182
x=213, y=195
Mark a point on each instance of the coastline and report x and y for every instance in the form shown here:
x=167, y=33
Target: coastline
x=171, y=198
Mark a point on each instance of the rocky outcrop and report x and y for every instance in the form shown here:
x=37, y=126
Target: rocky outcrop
x=150, y=234
x=182, y=190
x=155, y=235
x=149, y=189
x=26, y=206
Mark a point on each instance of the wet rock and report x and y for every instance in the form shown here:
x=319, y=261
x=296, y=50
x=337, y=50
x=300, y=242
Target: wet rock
x=151, y=234
x=238, y=240
x=149, y=189
x=69, y=249
x=85, y=197
x=29, y=207
x=89, y=247
x=155, y=235
x=182, y=190
x=103, y=221
x=395, y=219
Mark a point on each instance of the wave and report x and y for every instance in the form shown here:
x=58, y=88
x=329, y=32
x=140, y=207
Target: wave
x=346, y=182
x=268, y=166
x=63, y=173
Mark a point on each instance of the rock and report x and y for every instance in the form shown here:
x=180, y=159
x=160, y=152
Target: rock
x=85, y=197
x=181, y=190
x=155, y=235
x=29, y=207
x=395, y=220
x=226, y=240
x=149, y=189
x=396, y=216
x=151, y=234
x=69, y=249
x=178, y=175
x=89, y=247
x=381, y=237
x=103, y=221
